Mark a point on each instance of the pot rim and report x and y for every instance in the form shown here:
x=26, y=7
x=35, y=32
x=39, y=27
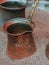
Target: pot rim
x=7, y=8
x=18, y=34
x=13, y=21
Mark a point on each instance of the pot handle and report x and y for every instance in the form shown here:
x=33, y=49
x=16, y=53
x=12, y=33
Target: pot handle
x=32, y=24
x=5, y=26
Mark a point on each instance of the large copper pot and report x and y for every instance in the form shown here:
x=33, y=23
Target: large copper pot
x=20, y=38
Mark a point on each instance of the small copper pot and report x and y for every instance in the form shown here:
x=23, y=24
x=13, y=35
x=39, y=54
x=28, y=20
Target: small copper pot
x=20, y=39
x=8, y=12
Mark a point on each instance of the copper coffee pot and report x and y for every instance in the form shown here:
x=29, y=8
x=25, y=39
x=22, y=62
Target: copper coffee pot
x=20, y=37
x=12, y=8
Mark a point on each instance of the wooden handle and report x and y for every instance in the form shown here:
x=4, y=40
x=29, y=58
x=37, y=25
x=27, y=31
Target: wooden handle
x=34, y=5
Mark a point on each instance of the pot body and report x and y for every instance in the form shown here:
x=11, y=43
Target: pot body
x=7, y=14
x=20, y=39
x=21, y=46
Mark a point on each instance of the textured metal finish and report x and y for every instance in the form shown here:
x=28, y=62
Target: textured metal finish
x=20, y=46
x=20, y=40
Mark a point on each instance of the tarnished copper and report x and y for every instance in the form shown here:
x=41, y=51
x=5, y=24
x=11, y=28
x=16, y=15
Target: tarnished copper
x=20, y=39
x=12, y=9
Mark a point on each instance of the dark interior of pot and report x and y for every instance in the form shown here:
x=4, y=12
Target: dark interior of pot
x=13, y=4
x=18, y=28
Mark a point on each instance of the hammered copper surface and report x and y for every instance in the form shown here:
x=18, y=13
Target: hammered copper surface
x=20, y=40
x=22, y=47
